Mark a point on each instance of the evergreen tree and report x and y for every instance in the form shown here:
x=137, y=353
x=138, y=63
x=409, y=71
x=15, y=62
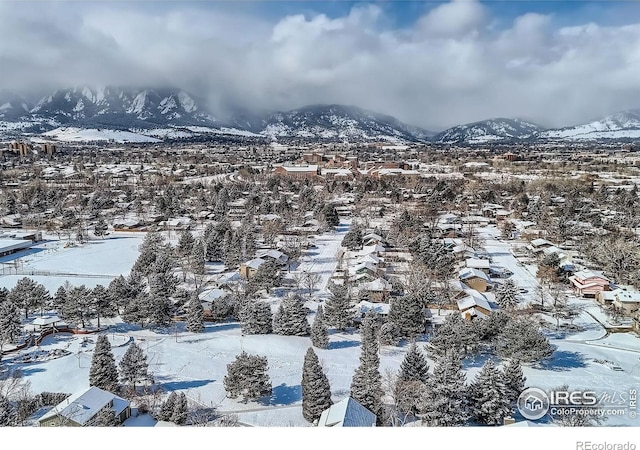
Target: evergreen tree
x=514, y=380
x=454, y=336
x=414, y=366
x=195, y=315
x=366, y=386
x=152, y=246
x=10, y=327
x=22, y=295
x=330, y=215
x=133, y=366
x=7, y=413
x=389, y=333
x=407, y=313
x=137, y=310
x=444, y=402
x=267, y=276
x=100, y=228
x=291, y=318
x=103, y=372
x=319, y=333
x=488, y=396
x=60, y=298
x=102, y=303
x=507, y=295
x=197, y=258
x=185, y=244
x=353, y=239
x=160, y=306
x=166, y=410
x=180, y=410
x=316, y=392
x=338, y=311
x=522, y=340
x=248, y=377
x=256, y=318
x=79, y=305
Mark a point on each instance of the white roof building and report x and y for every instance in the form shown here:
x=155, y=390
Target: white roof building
x=83, y=406
x=347, y=413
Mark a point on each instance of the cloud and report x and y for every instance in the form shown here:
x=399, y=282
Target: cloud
x=452, y=65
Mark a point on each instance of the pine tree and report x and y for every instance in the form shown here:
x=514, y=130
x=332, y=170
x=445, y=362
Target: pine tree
x=160, y=306
x=454, y=336
x=103, y=372
x=507, y=295
x=353, y=239
x=414, y=366
x=366, y=386
x=331, y=217
x=514, y=380
x=444, y=402
x=316, y=391
x=185, y=244
x=166, y=410
x=152, y=246
x=278, y=319
x=180, y=410
x=319, y=333
x=291, y=318
x=60, y=298
x=256, y=318
x=102, y=303
x=248, y=377
x=7, y=413
x=100, y=228
x=488, y=396
x=338, y=312
x=197, y=258
x=10, y=327
x=389, y=333
x=522, y=340
x=407, y=313
x=195, y=315
x=133, y=366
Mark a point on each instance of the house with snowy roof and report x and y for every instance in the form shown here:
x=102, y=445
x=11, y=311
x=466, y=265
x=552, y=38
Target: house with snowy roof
x=273, y=255
x=475, y=279
x=249, y=268
x=377, y=290
x=474, y=305
x=625, y=300
x=347, y=413
x=80, y=408
x=589, y=283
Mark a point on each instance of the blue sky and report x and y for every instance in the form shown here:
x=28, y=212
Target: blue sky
x=431, y=64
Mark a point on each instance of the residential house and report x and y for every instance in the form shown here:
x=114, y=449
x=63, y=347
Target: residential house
x=588, y=283
x=474, y=305
x=80, y=408
x=480, y=264
x=475, y=279
x=626, y=301
x=273, y=255
x=208, y=298
x=249, y=268
x=377, y=290
x=347, y=413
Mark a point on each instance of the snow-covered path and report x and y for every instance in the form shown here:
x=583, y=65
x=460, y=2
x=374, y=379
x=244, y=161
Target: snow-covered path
x=324, y=259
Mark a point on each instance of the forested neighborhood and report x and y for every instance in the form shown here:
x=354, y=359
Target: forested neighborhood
x=411, y=286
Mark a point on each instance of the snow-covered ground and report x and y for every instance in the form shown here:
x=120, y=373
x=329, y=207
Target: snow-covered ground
x=75, y=134
x=196, y=363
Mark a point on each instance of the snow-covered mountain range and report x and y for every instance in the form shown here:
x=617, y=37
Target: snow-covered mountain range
x=152, y=115
x=488, y=131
